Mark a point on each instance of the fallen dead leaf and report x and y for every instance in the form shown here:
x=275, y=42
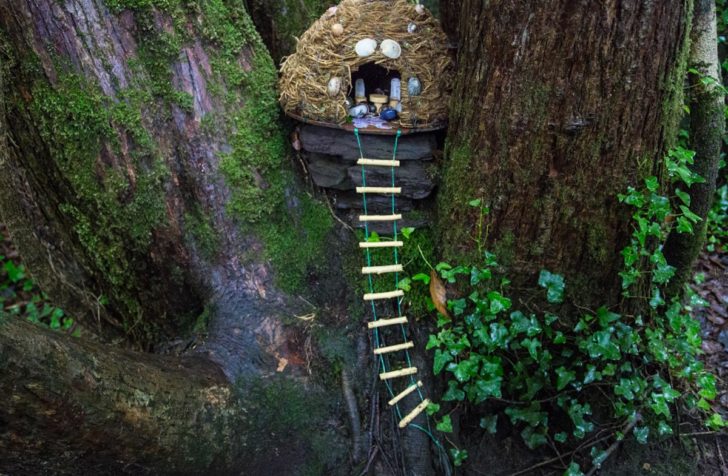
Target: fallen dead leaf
x=438, y=293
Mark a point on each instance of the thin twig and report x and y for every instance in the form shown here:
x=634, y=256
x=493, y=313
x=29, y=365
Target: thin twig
x=613, y=447
x=723, y=468
x=554, y=460
x=336, y=217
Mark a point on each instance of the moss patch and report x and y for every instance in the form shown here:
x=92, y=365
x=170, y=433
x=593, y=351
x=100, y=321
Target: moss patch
x=286, y=428
x=114, y=214
x=295, y=242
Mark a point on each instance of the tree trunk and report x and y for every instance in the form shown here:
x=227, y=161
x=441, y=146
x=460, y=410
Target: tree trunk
x=558, y=107
x=72, y=403
x=147, y=186
x=145, y=151
x=707, y=126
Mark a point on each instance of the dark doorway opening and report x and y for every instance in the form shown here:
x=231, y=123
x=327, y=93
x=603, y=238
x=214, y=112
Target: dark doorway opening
x=375, y=78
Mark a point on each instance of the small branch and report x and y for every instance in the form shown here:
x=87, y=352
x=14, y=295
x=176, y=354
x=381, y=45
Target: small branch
x=723, y=468
x=555, y=460
x=354, y=417
x=613, y=447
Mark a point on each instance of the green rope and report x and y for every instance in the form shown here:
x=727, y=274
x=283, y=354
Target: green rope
x=378, y=339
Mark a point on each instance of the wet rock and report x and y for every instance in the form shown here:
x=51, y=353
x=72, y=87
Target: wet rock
x=329, y=172
x=378, y=204
x=324, y=140
x=413, y=177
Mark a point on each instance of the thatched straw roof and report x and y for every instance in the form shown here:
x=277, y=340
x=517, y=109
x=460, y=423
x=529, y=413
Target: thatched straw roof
x=322, y=55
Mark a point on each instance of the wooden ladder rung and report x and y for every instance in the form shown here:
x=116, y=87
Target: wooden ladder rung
x=393, y=348
x=385, y=295
x=394, y=190
x=380, y=217
x=378, y=162
x=387, y=322
x=392, y=268
x=404, y=393
x=381, y=244
x=413, y=414
x=398, y=373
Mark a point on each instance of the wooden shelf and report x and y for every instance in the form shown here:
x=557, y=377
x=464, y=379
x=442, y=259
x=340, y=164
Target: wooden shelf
x=370, y=130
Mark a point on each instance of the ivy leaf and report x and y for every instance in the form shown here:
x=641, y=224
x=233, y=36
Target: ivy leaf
x=421, y=277
x=606, y=317
x=564, y=377
x=663, y=429
x=689, y=214
x=466, y=369
x=573, y=470
x=560, y=437
x=453, y=392
x=441, y=358
x=475, y=203
x=432, y=342
x=487, y=388
x=15, y=273
x=592, y=375
x=498, y=302
x=458, y=456
x=663, y=273
x=445, y=425
x=532, y=346
x=405, y=284
x=489, y=423
x=651, y=183
x=533, y=438
x=407, y=232
x=433, y=408
x=641, y=434
x=683, y=196
x=656, y=300
x=554, y=285
x=716, y=421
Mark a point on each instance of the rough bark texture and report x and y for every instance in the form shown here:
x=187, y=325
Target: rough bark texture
x=145, y=178
x=70, y=403
x=707, y=126
x=558, y=107
x=144, y=148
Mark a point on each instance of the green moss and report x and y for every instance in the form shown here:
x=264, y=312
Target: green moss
x=114, y=214
x=295, y=242
x=282, y=410
x=458, y=190
x=200, y=230
x=674, y=85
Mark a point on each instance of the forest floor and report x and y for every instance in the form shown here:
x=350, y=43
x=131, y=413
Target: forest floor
x=696, y=452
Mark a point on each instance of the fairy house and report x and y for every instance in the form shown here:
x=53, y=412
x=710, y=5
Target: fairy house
x=372, y=42
x=375, y=41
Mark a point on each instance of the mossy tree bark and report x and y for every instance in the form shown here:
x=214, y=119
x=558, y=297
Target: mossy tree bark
x=71, y=403
x=145, y=147
x=145, y=177
x=558, y=107
x=707, y=126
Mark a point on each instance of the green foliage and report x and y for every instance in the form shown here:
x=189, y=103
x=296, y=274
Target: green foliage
x=20, y=297
x=541, y=365
x=297, y=248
